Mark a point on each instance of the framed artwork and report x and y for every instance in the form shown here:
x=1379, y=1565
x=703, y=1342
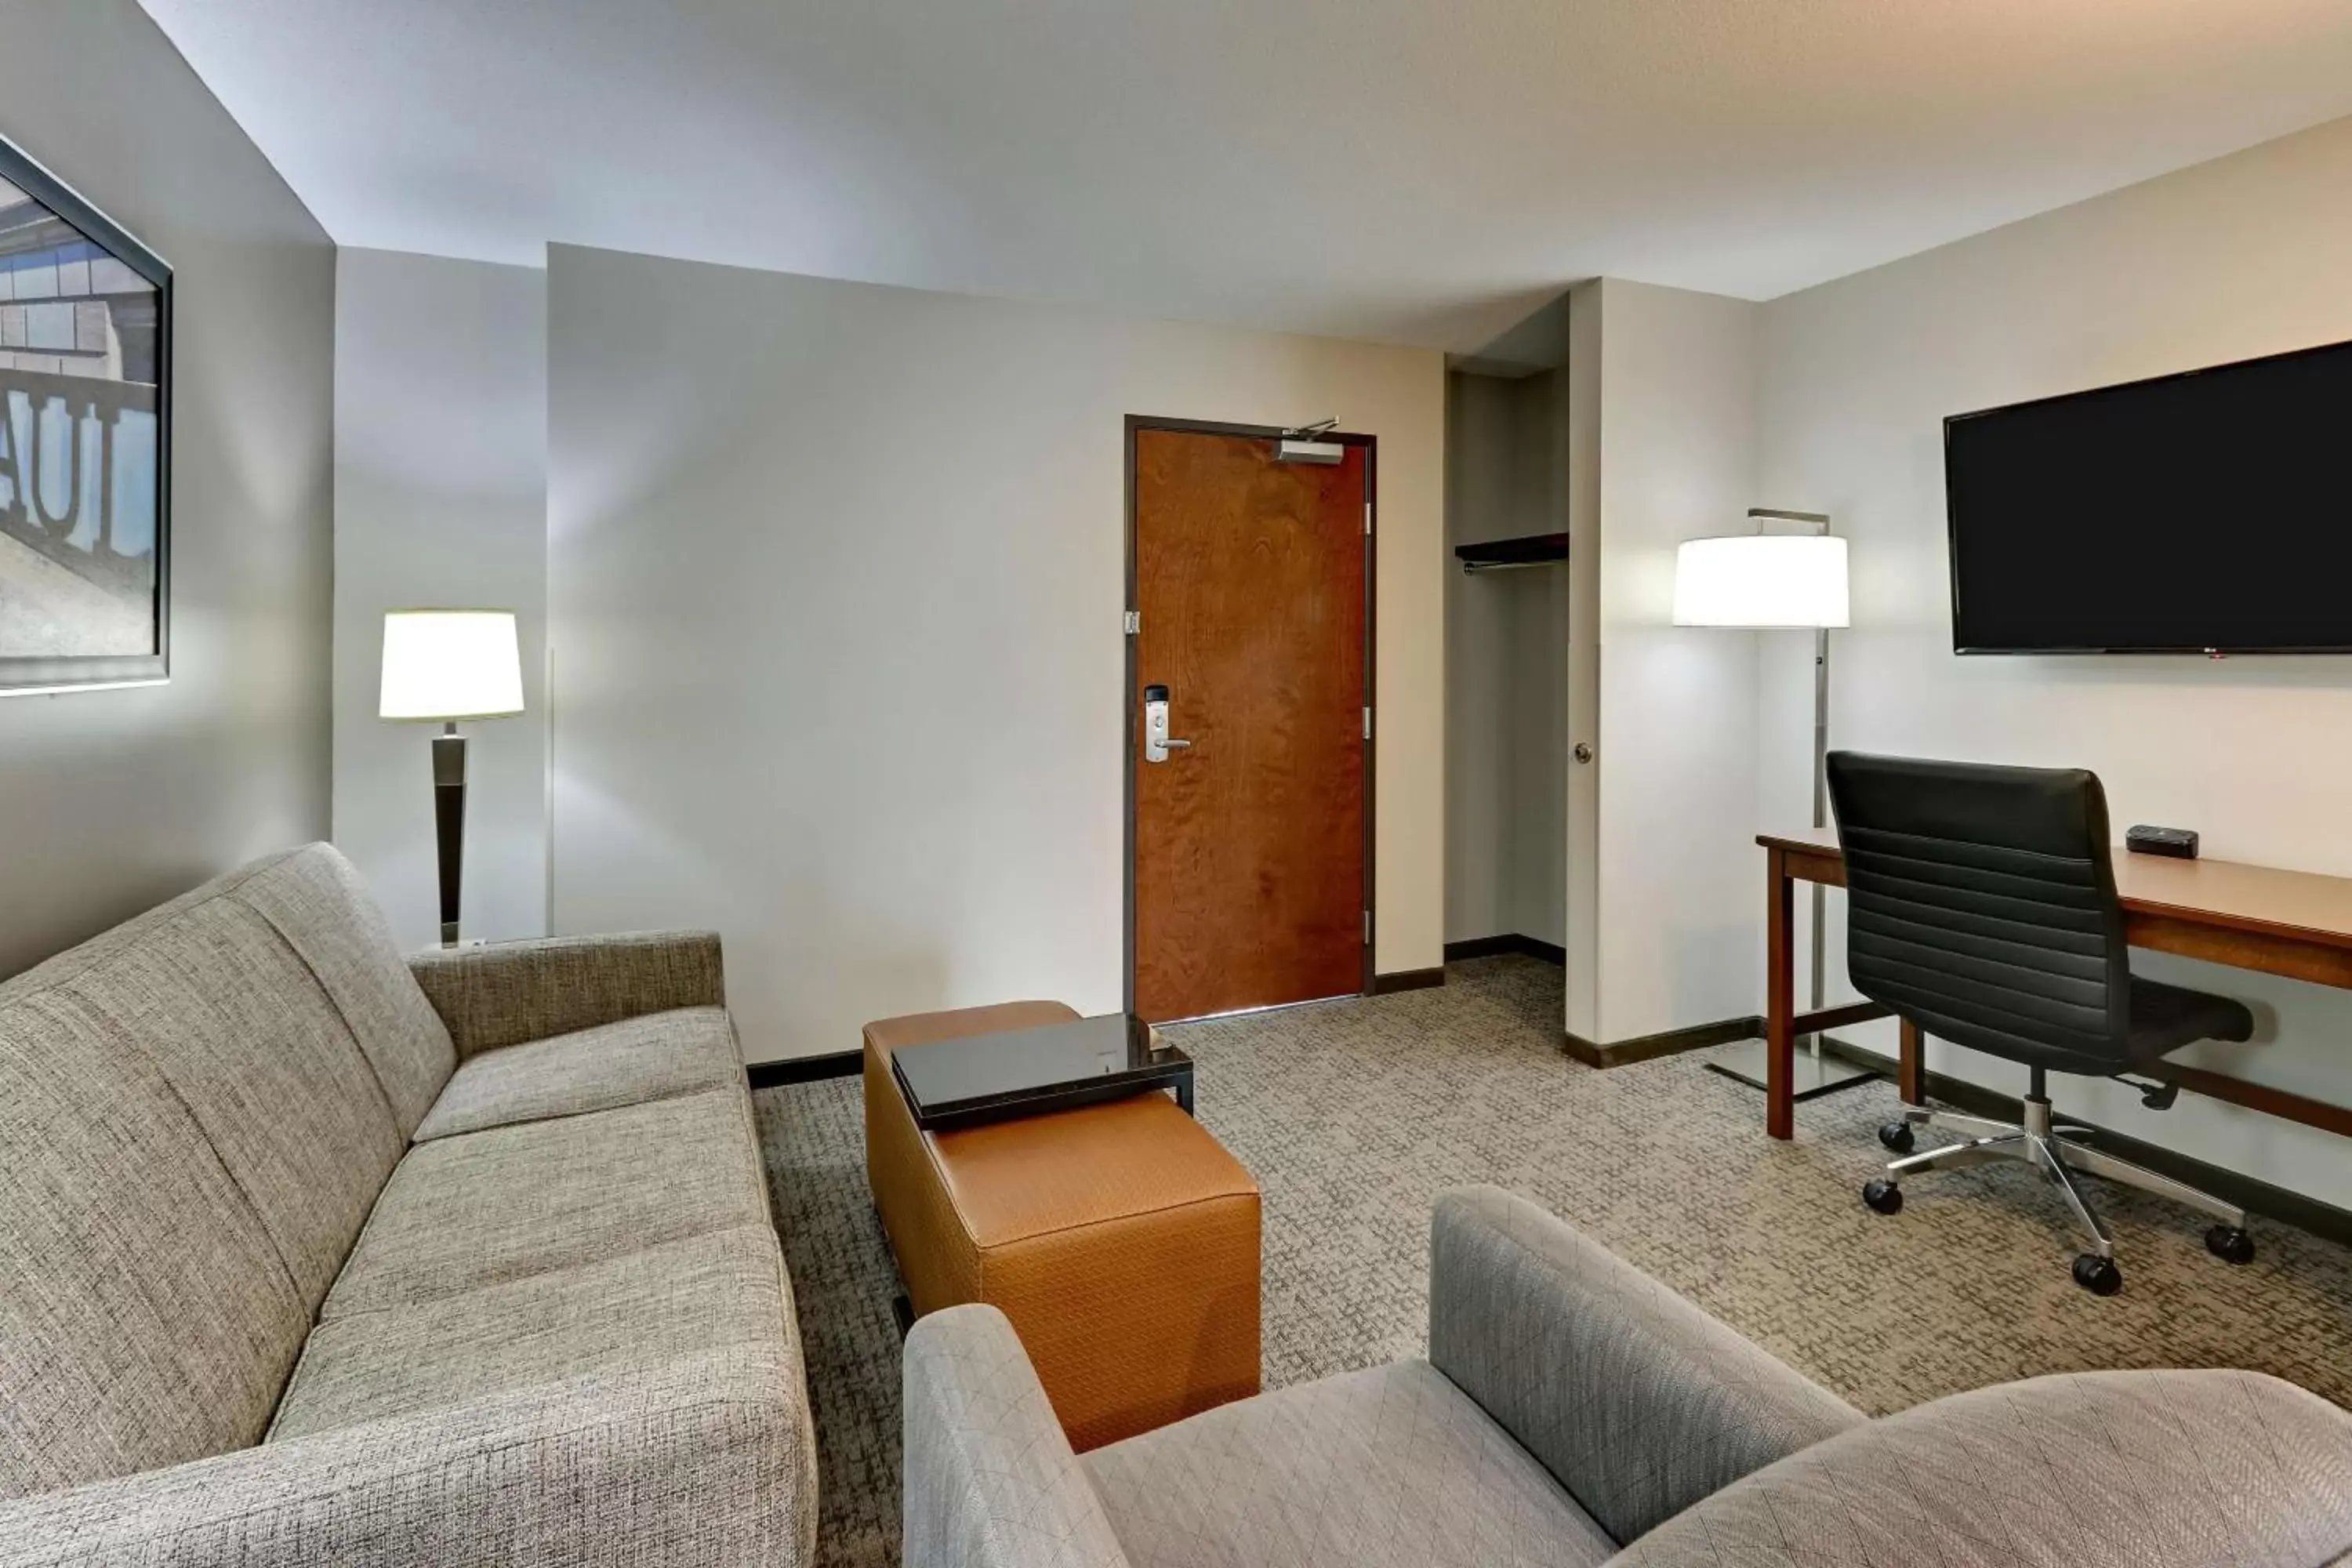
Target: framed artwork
x=85, y=442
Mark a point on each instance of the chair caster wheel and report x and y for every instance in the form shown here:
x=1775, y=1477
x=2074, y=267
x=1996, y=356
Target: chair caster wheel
x=1897, y=1136
x=2098, y=1275
x=2230, y=1244
x=1882, y=1195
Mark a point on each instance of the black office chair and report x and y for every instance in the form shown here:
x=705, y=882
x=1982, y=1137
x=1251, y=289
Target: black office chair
x=1982, y=907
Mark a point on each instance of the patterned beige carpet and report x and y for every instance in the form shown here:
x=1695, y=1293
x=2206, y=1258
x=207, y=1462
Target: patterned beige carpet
x=1354, y=1114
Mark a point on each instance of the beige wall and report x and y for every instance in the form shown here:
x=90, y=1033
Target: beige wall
x=116, y=800
x=2245, y=256
x=836, y=576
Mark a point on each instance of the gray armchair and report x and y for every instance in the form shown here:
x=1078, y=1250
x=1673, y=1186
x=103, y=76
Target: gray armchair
x=1575, y=1412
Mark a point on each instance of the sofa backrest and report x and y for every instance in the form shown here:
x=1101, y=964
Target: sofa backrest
x=2101, y=1469
x=1638, y=1403
x=197, y=1110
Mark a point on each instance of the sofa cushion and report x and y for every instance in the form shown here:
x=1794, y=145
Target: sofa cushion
x=2104, y=1469
x=315, y=899
x=654, y=1057
x=622, y=1314
x=237, y=1024
x=480, y=1208
x=145, y=1317
x=1393, y=1467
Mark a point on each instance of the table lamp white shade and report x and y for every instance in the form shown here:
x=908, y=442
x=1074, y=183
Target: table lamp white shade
x=1763, y=581
x=451, y=665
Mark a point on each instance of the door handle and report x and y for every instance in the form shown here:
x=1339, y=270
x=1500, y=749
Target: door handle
x=1157, y=742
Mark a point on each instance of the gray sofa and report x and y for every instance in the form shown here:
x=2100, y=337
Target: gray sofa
x=311, y=1253
x=1574, y=1411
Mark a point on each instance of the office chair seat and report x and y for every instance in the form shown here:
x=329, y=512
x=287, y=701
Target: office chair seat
x=2166, y=1017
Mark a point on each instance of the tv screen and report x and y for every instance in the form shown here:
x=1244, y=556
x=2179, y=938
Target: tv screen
x=2209, y=511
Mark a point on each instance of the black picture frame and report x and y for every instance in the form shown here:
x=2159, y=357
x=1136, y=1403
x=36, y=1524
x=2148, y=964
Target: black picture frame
x=21, y=675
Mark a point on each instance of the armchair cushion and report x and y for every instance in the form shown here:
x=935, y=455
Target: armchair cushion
x=1391, y=1468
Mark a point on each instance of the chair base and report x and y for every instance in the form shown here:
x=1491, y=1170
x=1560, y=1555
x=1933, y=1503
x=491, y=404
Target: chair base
x=2061, y=1154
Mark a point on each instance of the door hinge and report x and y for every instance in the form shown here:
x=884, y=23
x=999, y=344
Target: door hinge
x=1367, y=928
x=1368, y=724
x=1134, y=622
x=1367, y=520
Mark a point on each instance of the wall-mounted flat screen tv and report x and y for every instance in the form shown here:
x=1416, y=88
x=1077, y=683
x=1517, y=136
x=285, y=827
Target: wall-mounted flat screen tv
x=2204, y=513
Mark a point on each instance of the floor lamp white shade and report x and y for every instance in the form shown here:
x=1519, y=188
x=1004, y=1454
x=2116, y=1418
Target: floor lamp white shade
x=1762, y=582
x=450, y=664
x=1775, y=581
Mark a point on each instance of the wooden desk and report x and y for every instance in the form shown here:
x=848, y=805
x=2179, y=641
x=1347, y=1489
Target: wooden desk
x=2294, y=923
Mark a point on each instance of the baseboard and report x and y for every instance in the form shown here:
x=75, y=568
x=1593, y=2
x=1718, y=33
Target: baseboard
x=1407, y=980
x=1665, y=1043
x=2253, y=1195
x=1498, y=946
x=804, y=1069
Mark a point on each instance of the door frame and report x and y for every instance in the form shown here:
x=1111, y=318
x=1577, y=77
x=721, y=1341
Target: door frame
x=1132, y=739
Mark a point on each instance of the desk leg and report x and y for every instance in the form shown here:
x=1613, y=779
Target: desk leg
x=1911, y=1066
x=1184, y=1094
x=1780, y=999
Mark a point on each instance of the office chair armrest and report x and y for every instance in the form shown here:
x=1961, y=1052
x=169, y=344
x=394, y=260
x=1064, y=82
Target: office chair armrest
x=991, y=1481
x=1637, y=1402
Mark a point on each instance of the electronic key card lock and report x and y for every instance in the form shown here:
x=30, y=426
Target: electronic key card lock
x=1157, y=742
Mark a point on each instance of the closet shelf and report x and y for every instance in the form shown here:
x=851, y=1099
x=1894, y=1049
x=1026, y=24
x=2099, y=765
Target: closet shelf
x=1495, y=554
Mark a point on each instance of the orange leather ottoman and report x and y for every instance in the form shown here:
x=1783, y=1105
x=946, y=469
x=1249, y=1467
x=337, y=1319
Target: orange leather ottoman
x=1120, y=1239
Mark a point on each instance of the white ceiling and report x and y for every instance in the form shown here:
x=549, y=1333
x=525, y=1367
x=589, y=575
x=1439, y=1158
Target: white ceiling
x=1424, y=172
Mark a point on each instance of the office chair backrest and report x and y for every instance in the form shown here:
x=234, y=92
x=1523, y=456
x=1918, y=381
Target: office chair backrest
x=1981, y=905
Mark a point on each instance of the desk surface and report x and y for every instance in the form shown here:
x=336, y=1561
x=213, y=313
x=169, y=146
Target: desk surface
x=2264, y=901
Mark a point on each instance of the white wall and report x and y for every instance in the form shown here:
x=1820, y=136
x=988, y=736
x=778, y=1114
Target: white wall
x=835, y=578
x=440, y=499
x=1505, y=662
x=1662, y=387
x=2242, y=257
x=116, y=800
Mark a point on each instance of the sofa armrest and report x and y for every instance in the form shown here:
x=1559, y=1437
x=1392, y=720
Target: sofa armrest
x=707, y=1460
x=991, y=1481
x=1637, y=1402
x=505, y=993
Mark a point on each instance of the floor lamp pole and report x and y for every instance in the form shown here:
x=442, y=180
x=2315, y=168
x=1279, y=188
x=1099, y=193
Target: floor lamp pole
x=1820, y=813
x=449, y=821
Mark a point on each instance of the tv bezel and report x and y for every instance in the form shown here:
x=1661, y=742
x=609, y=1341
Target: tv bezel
x=1951, y=521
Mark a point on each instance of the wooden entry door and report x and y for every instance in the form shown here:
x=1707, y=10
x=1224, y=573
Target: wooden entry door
x=1251, y=848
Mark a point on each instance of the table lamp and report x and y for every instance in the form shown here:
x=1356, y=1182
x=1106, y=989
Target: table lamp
x=448, y=666
x=1777, y=581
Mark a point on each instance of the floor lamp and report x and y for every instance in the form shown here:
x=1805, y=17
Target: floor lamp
x=1778, y=582
x=449, y=666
